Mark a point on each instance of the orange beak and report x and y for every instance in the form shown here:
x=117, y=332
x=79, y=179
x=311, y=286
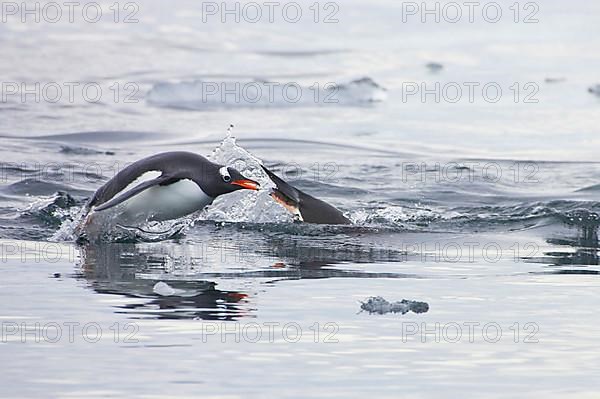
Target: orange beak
x=247, y=184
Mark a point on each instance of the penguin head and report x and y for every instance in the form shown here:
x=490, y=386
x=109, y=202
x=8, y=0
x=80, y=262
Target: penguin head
x=227, y=180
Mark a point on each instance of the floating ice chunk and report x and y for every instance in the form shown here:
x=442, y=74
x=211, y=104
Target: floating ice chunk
x=164, y=289
x=379, y=305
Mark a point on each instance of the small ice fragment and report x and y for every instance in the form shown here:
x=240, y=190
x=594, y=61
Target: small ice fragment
x=434, y=66
x=555, y=79
x=379, y=305
x=164, y=289
x=595, y=89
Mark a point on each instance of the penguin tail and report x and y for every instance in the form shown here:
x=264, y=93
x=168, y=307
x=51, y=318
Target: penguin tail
x=305, y=207
x=285, y=194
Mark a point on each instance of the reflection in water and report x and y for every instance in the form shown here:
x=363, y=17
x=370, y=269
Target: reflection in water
x=221, y=269
x=245, y=262
x=585, y=245
x=116, y=269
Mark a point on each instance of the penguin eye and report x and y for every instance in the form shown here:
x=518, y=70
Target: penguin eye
x=225, y=174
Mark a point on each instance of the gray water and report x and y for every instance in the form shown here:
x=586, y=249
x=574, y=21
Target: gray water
x=485, y=210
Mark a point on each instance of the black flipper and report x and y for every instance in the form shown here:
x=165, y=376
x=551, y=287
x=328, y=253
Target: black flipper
x=311, y=209
x=284, y=187
x=159, y=181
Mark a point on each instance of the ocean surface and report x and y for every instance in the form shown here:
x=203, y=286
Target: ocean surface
x=465, y=153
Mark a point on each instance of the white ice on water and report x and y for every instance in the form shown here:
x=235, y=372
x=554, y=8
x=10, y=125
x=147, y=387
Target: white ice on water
x=163, y=289
x=380, y=305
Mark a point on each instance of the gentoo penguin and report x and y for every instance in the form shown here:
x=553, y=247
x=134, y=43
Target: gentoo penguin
x=305, y=207
x=165, y=186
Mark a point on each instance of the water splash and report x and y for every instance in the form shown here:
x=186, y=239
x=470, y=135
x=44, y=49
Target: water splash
x=69, y=225
x=398, y=216
x=244, y=205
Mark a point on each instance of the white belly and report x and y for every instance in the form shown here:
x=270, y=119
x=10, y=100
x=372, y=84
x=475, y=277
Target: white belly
x=161, y=203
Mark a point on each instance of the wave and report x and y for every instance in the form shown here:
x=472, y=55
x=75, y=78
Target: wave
x=202, y=94
x=256, y=211
x=594, y=188
x=35, y=187
x=91, y=137
x=436, y=218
